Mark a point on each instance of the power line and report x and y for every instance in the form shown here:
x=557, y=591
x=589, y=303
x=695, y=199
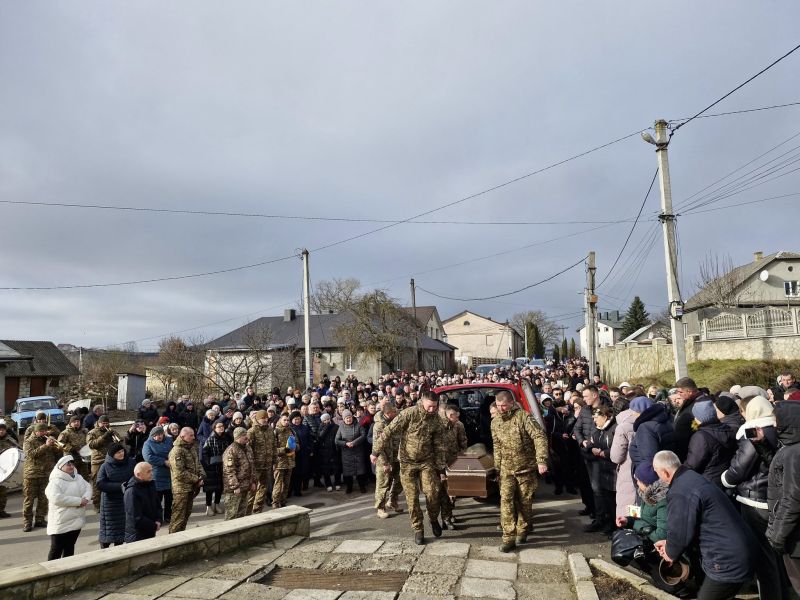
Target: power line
x=736, y=89
x=522, y=289
x=705, y=210
x=630, y=233
x=737, y=112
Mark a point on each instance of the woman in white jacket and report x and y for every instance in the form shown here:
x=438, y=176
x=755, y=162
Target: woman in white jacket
x=68, y=494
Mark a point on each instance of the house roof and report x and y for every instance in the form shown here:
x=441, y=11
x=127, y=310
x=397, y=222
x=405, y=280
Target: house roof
x=464, y=312
x=48, y=361
x=612, y=324
x=739, y=275
x=424, y=313
x=280, y=333
x=638, y=332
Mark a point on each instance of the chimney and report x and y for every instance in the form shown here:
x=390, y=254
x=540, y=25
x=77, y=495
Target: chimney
x=616, y=316
x=289, y=314
x=757, y=256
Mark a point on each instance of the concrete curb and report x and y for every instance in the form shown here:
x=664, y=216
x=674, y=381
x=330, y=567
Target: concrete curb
x=637, y=582
x=582, y=577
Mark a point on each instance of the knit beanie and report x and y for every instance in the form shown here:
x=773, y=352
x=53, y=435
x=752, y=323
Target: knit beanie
x=704, y=412
x=757, y=408
x=156, y=431
x=114, y=448
x=237, y=415
x=294, y=414
x=325, y=417
x=640, y=404
x=645, y=473
x=726, y=404
x=346, y=413
x=64, y=460
x=103, y=419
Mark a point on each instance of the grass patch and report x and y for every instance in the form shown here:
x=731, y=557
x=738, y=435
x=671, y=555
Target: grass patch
x=718, y=375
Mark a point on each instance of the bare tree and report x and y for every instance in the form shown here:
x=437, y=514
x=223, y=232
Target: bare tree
x=661, y=326
x=718, y=280
x=547, y=329
x=100, y=369
x=333, y=295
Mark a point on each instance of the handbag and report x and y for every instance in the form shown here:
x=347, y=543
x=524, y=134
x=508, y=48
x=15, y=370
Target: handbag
x=625, y=545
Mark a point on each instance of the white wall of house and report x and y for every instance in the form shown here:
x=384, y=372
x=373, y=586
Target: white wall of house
x=479, y=339
x=606, y=336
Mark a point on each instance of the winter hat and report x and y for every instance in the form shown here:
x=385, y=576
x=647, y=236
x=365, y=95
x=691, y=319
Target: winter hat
x=544, y=397
x=757, y=408
x=640, y=404
x=751, y=391
x=239, y=432
x=237, y=415
x=75, y=418
x=346, y=413
x=735, y=389
x=325, y=417
x=103, y=419
x=64, y=460
x=163, y=420
x=261, y=414
x=114, y=448
x=3, y=425
x=40, y=427
x=645, y=473
x=704, y=412
x=624, y=384
x=726, y=404
x=158, y=430
x=294, y=414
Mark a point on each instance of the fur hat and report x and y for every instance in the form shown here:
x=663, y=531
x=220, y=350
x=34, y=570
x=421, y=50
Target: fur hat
x=294, y=414
x=261, y=414
x=325, y=417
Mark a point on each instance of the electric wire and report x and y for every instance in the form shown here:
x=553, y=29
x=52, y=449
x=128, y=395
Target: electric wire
x=738, y=112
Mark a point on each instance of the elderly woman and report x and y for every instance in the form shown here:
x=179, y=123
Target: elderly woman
x=211, y=459
x=351, y=439
x=114, y=472
x=68, y=495
x=156, y=452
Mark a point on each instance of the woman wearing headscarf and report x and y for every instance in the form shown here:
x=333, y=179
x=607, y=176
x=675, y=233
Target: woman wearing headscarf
x=156, y=452
x=211, y=459
x=68, y=495
x=326, y=453
x=114, y=473
x=351, y=439
x=236, y=421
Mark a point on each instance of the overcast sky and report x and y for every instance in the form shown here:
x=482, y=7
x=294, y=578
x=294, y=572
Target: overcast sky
x=376, y=110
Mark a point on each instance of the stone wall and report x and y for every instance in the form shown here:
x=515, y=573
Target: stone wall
x=635, y=361
x=62, y=576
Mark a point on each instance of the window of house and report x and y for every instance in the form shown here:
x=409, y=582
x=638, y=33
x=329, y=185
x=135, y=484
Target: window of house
x=489, y=340
x=606, y=329
x=790, y=288
x=348, y=363
x=466, y=323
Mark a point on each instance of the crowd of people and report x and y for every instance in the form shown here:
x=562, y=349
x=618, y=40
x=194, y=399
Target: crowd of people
x=680, y=476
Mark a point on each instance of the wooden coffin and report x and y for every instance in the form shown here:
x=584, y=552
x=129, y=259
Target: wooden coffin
x=472, y=474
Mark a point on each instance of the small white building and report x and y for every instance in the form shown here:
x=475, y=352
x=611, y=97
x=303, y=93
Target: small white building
x=609, y=328
x=131, y=389
x=480, y=340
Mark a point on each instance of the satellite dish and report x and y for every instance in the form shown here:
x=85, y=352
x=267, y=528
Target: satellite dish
x=764, y=275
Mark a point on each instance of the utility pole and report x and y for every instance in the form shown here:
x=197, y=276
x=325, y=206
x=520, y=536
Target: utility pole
x=416, y=325
x=306, y=318
x=591, y=315
x=667, y=218
x=525, y=327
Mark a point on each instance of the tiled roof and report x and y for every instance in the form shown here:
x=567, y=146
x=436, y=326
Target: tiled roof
x=48, y=361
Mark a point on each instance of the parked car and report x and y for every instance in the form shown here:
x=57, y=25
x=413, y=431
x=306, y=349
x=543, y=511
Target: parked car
x=485, y=369
x=25, y=409
x=537, y=363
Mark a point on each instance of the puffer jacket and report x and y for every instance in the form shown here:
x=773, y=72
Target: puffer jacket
x=653, y=522
x=711, y=449
x=314, y=422
x=748, y=472
x=584, y=426
x=212, y=461
x=285, y=457
x=135, y=442
x=352, y=458
x=302, y=458
x=64, y=494
x=783, y=531
x=205, y=431
x=326, y=452
x=156, y=453
x=626, y=488
x=112, y=476
x=653, y=432
x=142, y=510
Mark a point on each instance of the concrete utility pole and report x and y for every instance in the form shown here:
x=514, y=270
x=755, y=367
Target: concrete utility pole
x=667, y=219
x=525, y=327
x=591, y=316
x=416, y=325
x=307, y=317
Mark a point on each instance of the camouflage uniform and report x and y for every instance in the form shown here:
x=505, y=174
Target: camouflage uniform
x=284, y=463
x=52, y=430
x=421, y=454
x=6, y=443
x=262, y=443
x=237, y=474
x=387, y=485
x=186, y=473
x=99, y=440
x=39, y=461
x=74, y=440
x=519, y=446
x=455, y=442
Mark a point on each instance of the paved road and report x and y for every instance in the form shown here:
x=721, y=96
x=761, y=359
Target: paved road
x=556, y=525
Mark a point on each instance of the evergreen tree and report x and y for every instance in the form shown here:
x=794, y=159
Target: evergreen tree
x=635, y=318
x=556, y=354
x=564, y=349
x=536, y=342
x=573, y=353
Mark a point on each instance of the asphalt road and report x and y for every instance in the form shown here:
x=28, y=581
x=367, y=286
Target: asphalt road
x=336, y=514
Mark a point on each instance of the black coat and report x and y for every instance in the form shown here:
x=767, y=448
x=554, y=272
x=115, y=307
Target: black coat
x=698, y=512
x=302, y=458
x=211, y=459
x=683, y=425
x=149, y=416
x=711, y=449
x=783, y=494
x=110, y=479
x=327, y=453
x=352, y=458
x=748, y=472
x=652, y=432
x=602, y=472
x=584, y=426
x=135, y=441
x=142, y=510
x=189, y=418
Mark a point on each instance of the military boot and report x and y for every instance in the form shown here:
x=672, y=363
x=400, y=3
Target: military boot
x=436, y=528
x=419, y=537
x=507, y=546
x=522, y=538
x=382, y=514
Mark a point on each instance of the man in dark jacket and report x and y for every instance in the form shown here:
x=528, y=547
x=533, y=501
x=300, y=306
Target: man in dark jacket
x=699, y=512
x=653, y=431
x=142, y=510
x=683, y=400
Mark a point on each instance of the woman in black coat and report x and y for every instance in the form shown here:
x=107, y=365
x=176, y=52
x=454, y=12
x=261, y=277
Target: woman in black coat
x=563, y=449
x=171, y=412
x=712, y=446
x=602, y=472
x=327, y=462
x=211, y=459
x=302, y=458
x=351, y=439
x=113, y=474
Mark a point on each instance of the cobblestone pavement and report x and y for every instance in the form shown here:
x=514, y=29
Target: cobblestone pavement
x=356, y=569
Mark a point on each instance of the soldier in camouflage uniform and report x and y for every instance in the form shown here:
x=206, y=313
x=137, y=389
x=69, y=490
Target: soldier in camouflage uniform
x=520, y=456
x=455, y=442
x=238, y=475
x=6, y=443
x=41, y=455
x=387, y=468
x=99, y=439
x=284, y=462
x=187, y=475
x=41, y=417
x=262, y=443
x=421, y=454
x=74, y=438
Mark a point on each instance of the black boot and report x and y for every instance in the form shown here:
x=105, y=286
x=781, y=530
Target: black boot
x=436, y=528
x=419, y=537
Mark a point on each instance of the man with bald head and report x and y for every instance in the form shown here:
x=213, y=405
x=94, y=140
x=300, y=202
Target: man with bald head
x=143, y=516
x=187, y=477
